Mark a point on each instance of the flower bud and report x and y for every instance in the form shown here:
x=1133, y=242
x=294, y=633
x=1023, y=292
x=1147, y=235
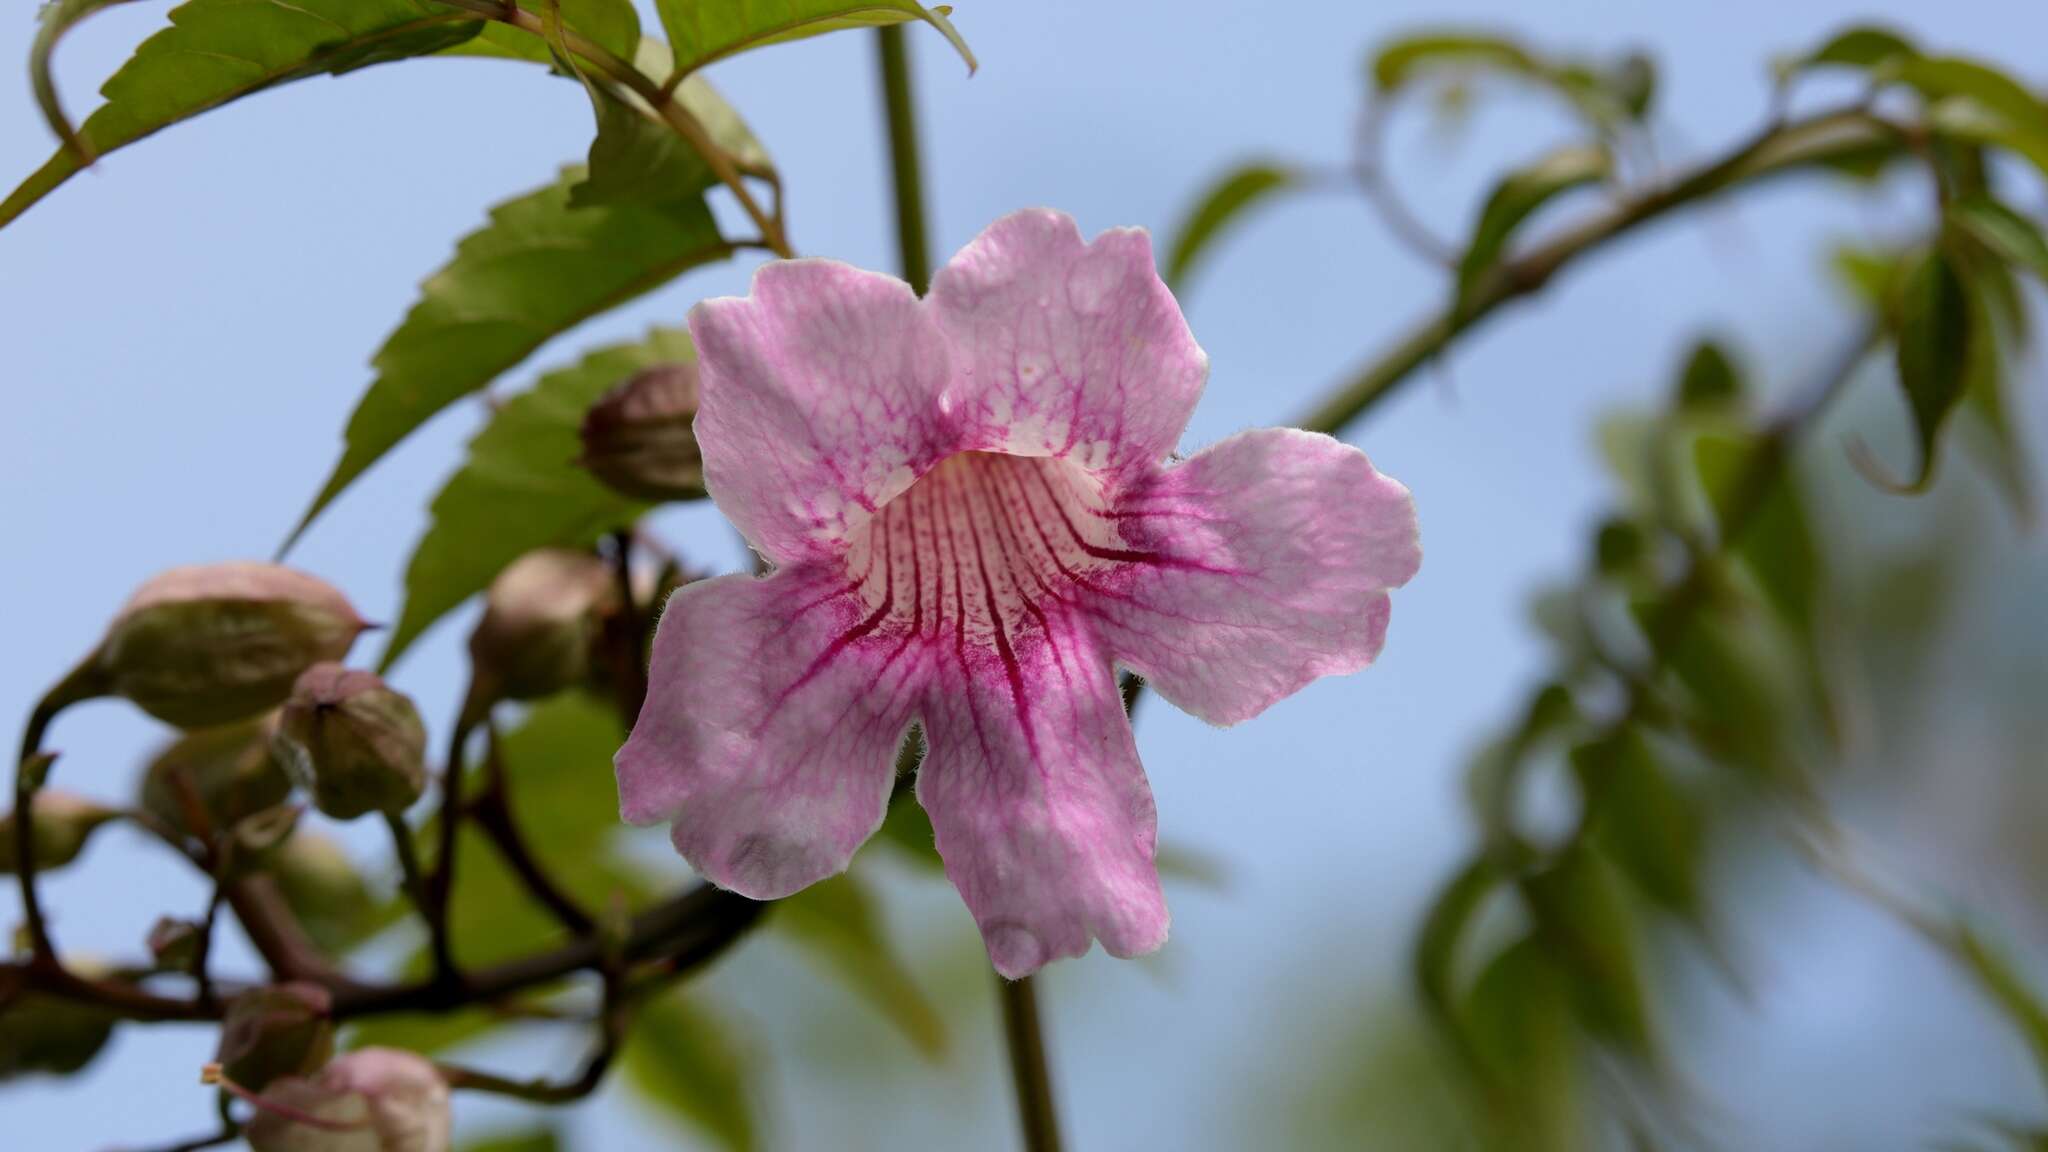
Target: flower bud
x=216, y=643
x=542, y=618
x=325, y=893
x=44, y=1033
x=352, y=741
x=175, y=943
x=270, y=1033
x=231, y=773
x=637, y=438
x=63, y=822
x=371, y=1100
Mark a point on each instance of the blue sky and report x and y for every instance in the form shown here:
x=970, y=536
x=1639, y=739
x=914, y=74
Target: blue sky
x=187, y=327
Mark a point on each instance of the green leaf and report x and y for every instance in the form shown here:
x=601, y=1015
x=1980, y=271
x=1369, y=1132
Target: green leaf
x=1941, y=78
x=1445, y=929
x=55, y=19
x=1584, y=920
x=613, y=25
x=2000, y=448
x=686, y=1061
x=217, y=51
x=537, y=1140
x=2004, y=233
x=1933, y=352
x=1865, y=46
x=426, y=1034
x=1710, y=378
x=2007, y=989
x=1518, y=1020
x=703, y=32
x=1514, y=200
x=837, y=922
x=1402, y=60
x=520, y=489
x=1777, y=545
x=1220, y=206
x=1974, y=103
x=538, y=268
x=1644, y=821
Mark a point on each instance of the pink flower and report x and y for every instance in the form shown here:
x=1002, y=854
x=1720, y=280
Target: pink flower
x=369, y=1100
x=969, y=505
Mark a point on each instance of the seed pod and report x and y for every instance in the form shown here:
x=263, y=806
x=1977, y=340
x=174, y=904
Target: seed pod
x=637, y=439
x=63, y=823
x=230, y=769
x=44, y=1033
x=542, y=618
x=353, y=742
x=282, y=1030
x=371, y=1100
x=216, y=643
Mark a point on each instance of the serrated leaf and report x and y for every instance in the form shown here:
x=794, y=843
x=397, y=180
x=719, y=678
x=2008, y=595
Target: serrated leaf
x=837, y=922
x=1222, y=205
x=1514, y=200
x=217, y=51
x=701, y=33
x=686, y=1061
x=538, y=268
x=1933, y=352
x=519, y=487
x=1400, y=61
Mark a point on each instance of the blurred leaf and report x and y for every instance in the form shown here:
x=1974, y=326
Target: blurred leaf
x=1777, y=545
x=327, y=895
x=2008, y=990
x=701, y=33
x=1940, y=78
x=837, y=922
x=1584, y=920
x=1221, y=206
x=1710, y=378
x=2001, y=448
x=1933, y=352
x=1967, y=118
x=1518, y=1020
x=1400, y=61
x=520, y=489
x=1872, y=275
x=1750, y=689
x=686, y=1061
x=536, y=269
x=1445, y=927
x=2004, y=233
x=427, y=1034
x=1865, y=46
x=537, y=1140
x=1514, y=200
x=1643, y=820
x=217, y=51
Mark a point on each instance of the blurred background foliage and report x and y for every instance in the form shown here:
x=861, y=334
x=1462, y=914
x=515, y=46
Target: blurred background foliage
x=1802, y=649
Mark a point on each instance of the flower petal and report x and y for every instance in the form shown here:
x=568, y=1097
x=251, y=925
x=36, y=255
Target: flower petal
x=1277, y=550
x=769, y=735
x=1074, y=349
x=1038, y=802
x=820, y=400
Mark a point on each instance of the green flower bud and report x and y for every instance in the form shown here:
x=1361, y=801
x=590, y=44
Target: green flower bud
x=217, y=643
x=175, y=943
x=230, y=769
x=44, y=1033
x=282, y=1030
x=357, y=745
x=637, y=438
x=325, y=892
x=542, y=618
x=63, y=823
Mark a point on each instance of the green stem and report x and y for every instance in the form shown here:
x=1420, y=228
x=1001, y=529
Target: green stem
x=912, y=245
x=1028, y=1065
x=660, y=99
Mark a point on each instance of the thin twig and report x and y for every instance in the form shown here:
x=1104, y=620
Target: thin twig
x=1028, y=1066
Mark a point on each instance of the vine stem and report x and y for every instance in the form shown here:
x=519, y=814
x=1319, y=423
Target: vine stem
x=660, y=97
x=1028, y=1066
x=1019, y=998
